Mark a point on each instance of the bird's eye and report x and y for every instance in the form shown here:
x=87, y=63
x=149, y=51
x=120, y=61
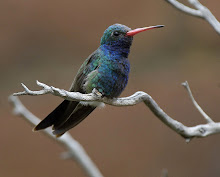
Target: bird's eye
x=116, y=33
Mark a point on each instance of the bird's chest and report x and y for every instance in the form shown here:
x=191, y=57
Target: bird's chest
x=113, y=76
x=109, y=74
x=115, y=67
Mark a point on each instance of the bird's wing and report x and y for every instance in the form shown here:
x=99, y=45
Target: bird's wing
x=67, y=108
x=90, y=65
x=80, y=112
x=86, y=68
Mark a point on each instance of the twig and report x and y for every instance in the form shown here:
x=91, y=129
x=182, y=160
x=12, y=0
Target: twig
x=199, y=11
x=74, y=150
x=207, y=118
x=188, y=133
x=185, y=8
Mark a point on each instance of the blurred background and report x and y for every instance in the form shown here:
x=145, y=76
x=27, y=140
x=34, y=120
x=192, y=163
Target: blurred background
x=49, y=40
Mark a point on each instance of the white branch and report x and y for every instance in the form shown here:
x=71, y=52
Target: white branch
x=207, y=118
x=199, y=11
x=188, y=133
x=74, y=150
x=185, y=8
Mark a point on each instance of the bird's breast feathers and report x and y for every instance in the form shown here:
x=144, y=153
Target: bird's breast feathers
x=110, y=78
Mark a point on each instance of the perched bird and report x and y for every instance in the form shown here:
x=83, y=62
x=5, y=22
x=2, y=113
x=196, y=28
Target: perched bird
x=106, y=70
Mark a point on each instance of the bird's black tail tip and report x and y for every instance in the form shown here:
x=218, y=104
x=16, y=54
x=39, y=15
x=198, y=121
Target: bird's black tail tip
x=40, y=126
x=58, y=133
x=55, y=132
x=36, y=128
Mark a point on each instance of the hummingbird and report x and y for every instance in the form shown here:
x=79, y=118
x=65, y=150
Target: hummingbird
x=106, y=70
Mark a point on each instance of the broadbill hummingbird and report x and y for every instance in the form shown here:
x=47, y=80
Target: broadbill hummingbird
x=105, y=70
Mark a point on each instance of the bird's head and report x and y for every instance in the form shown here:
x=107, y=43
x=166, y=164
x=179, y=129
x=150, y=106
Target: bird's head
x=121, y=35
x=116, y=35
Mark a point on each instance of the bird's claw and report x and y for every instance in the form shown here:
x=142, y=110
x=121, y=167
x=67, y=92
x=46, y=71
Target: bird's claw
x=96, y=93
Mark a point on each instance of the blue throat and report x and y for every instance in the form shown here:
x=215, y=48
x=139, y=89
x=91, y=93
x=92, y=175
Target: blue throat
x=120, y=51
x=115, y=70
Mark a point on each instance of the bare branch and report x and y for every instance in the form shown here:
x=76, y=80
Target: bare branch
x=58, y=92
x=200, y=11
x=207, y=118
x=74, y=150
x=185, y=8
x=188, y=133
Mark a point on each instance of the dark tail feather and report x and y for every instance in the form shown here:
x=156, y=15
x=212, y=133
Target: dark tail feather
x=79, y=114
x=58, y=116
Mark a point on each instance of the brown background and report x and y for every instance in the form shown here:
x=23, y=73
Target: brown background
x=48, y=41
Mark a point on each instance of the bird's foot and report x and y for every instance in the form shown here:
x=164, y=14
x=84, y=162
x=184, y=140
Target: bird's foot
x=97, y=93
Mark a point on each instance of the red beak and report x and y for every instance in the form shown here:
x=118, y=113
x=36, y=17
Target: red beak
x=138, y=30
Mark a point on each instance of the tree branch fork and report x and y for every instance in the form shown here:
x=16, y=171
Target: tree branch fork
x=200, y=11
x=188, y=133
